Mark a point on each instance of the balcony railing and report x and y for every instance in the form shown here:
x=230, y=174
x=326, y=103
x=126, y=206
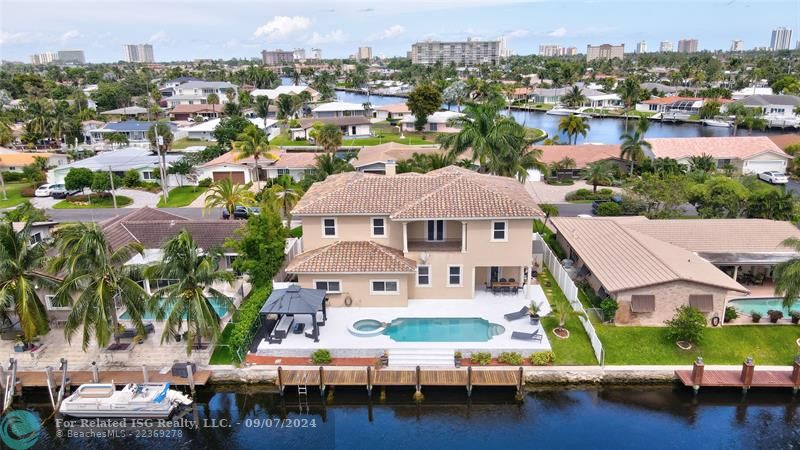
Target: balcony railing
x=434, y=246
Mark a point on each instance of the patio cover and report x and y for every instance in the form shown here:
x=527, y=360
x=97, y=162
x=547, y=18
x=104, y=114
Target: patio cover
x=296, y=300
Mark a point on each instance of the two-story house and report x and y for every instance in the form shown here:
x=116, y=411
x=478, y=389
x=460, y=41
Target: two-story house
x=197, y=92
x=373, y=240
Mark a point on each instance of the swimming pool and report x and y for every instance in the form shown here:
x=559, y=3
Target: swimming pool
x=442, y=329
x=217, y=304
x=762, y=305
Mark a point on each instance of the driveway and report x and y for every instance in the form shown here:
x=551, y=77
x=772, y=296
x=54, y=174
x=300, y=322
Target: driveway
x=140, y=199
x=547, y=193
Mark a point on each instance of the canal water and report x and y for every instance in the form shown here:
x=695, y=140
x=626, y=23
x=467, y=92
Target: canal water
x=647, y=417
x=603, y=131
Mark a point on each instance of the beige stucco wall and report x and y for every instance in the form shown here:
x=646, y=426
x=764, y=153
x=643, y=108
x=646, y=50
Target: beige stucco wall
x=350, y=228
x=669, y=296
x=357, y=287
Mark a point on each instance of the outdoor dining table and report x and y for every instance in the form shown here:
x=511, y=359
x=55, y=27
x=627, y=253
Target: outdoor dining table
x=499, y=285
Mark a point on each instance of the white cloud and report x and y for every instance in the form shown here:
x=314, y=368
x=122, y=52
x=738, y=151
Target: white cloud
x=8, y=38
x=282, y=26
x=389, y=33
x=517, y=34
x=71, y=34
x=558, y=32
x=327, y=38
x=161, y=36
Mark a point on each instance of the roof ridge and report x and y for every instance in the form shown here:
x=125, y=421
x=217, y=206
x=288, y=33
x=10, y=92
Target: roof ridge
x=635, y=235
x=385, y=251
x=426, y=196
x=133, y=236
x=319, y=198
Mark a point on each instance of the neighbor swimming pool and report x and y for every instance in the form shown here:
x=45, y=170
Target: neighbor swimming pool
x=438, y=329
x=762, y=305
x=217, y=304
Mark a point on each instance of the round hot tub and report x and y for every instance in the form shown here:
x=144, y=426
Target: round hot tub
x=367, y=327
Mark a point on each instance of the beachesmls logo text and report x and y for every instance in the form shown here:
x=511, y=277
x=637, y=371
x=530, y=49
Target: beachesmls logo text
x=19, y=429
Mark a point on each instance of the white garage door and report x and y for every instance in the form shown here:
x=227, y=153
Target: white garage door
x=534, y=175
x=756, y=167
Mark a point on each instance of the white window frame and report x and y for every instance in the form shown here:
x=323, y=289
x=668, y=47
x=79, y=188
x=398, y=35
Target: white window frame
x=430, y=279
x=505, y=231
x=384, y=292
x=147, y=175
x=372, y=227
x=328, y=285
x=335, y=228
x=228, y=261
x=48, y=300
x=443, y=237
x=460, y=275
x=283, y=172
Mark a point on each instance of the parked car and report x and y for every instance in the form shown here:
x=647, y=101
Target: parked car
x=616, y=198
x=61, y=191
x=241, y=212
x=43, y=190
x=774, y=177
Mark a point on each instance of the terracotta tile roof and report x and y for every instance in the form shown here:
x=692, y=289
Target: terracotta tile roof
x=623, y=259
x=583, y=154
x=448, y=193
x=729, y=147
x=193, y=109
x=391, y=151
x=785, y=140
x=338, y=121
x=394, y=108
x=352, y=256
x=670, y=100
x=295, y=160
x=14, y=159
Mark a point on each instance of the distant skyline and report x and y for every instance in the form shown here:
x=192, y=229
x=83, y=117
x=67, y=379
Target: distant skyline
x=187, y=30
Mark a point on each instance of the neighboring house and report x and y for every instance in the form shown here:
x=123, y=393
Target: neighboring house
x=438, y=121
x=14, y=161
x=144, y=161
x=393, y=111
x=748, y=154
x=751, y=90
x=594, y=98
x=383, y=240
x=167, y=88
x=273, y=94
x=134, y=130
x=40, y=231
x=240, y=171
x=351, y=126
x=663, y=89
x=785, y=140
x=339, y=109
x=678, y=107
x=186, y=112
x=653, y=266
x=197, y=92
x=205, y=131
x=128, y=112
x=381, y=159
x=294, y=164
x=778, y=110
x=582, y=155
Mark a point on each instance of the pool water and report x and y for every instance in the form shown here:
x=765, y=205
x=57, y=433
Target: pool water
x=762, y=305
x=452, y=329
x=217, y=304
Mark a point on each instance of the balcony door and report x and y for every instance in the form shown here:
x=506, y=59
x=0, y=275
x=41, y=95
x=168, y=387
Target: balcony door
x=494, y=274
x=435, y=231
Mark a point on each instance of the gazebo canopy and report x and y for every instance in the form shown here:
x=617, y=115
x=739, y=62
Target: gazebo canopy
x=294, y=300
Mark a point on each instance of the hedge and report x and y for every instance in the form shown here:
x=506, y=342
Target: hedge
x=245, y=319
x=587, y=194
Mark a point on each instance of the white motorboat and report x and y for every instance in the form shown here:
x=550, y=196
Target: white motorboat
x=561, y=112
x=151, y=401
x=717, y=123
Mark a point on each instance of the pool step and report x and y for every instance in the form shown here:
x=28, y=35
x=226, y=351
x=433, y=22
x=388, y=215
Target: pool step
x=421, y=357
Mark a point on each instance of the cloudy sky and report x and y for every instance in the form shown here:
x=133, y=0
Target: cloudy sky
x=184, y=29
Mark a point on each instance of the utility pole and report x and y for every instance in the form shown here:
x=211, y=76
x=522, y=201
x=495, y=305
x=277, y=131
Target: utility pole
x=113, y=194
x=161, y=168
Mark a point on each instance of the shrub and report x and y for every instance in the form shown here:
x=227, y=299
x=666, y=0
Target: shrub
x=795, y=316
x=131, y=178
x=321, y=356
x=542, y=358
x=296, y=232
x=12, y=177
x=609, y=307
x=731, y=314
x=205, y=182
x=609, y=209
x=245, y=319
x=510, y=358
x=755, y=316
x=775, y=315
x=150, y=186
x=482, y=358
x=688, y=325
x=587, y=194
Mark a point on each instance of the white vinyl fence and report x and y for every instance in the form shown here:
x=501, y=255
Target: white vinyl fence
x=571, y=292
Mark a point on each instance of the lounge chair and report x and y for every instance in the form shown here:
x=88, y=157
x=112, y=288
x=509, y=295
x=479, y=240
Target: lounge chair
x=130, y=333
x=517, y=315
x=519, y=335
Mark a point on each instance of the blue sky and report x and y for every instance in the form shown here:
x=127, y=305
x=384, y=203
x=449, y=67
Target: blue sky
x=184, y=29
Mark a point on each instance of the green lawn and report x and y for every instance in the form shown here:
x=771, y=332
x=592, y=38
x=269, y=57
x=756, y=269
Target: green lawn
x=283, y=140
x=182, y=196
x=105, y=202
x=222, y=353
x=575, y=350
x=183, y=143
x=13, y=191
x=773, y=345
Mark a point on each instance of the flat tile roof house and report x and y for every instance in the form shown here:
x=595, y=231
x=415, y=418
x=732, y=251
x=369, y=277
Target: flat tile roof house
x=748, y=154
x=382, y=159
x=351, y=126
x=14, y=161
x=653, y=266
x=273, y=94
x=186, y=112
x=438, y=121
x=582, y=155
x=392, y=111
x=778, y=110
x=339, y=109
x=205, y=131
x=373, y=240
x=197, y=92
x=294, y=164
x=120, y=161
x=134, y=130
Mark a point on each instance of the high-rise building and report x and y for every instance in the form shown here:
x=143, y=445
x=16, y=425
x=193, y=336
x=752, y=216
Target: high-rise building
x=71, y=56
x=299, y=54
x=604, y=51
x=471, y=52
x=568, y=51
x=665, y=47
x=276, y=57
x=44, y=58
x=364, y=53
x=138, y=53
x=781, y=39
x=641, y=47
x=316, y=54
x=737, y=45
x=548, y=49
x=687, y=46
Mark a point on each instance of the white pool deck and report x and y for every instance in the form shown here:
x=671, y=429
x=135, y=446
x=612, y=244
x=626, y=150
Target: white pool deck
x=335, y=336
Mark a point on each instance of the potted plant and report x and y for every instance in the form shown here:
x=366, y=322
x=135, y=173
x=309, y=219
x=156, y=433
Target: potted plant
x=775, y=315
x=533, y=312
x=19, y=344
x=457, y=356
x=730, y=314
x=755, y=316
x=795, y=317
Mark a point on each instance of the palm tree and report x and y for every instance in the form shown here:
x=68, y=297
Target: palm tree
x=21, y=270
x=224, y=193
x=327, y=136
x=702, y=163
x=213, y=100
x=160, y=137
x=284, y=194
x=116, y=138
x=188, y=299
x=287, y=106
x=230, y=94
x=572, y=126
x=549, y=211
x=574, y=98
x=599, y=173
x=262, y=108
x=327, y=164
x=632, y=148
x=97, y=281
x=253, y=142
x=787, y=275
x=485, y=132
x=629, y=92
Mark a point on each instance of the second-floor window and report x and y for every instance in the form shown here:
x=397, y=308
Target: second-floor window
x=329, y=227
x=435, y=230
x=499, y=230
x=378, y=227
